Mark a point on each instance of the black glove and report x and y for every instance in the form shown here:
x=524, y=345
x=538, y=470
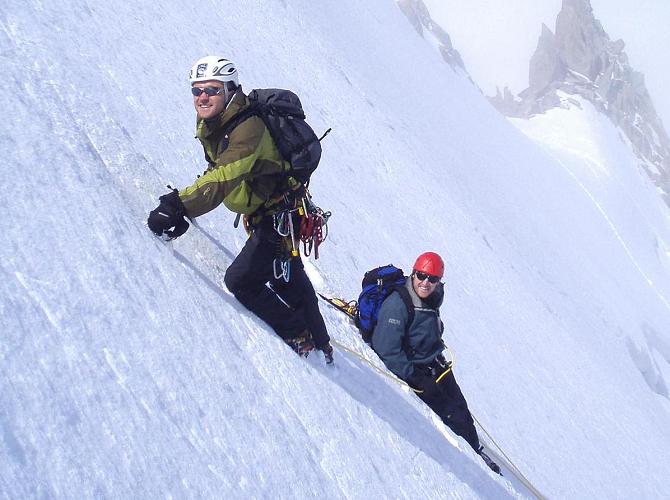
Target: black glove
x=424, y=384
x=328, y=353
x=169, y=213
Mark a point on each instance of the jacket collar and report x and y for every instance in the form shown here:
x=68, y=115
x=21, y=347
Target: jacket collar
x=434, y=301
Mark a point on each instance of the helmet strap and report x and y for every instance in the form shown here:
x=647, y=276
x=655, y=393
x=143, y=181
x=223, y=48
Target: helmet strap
x=228, y=93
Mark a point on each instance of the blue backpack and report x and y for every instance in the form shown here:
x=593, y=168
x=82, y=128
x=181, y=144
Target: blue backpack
x=379, y=283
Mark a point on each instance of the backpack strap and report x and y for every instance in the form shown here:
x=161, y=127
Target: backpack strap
x=407, y=300
x=228, y=128
x=253, y=109
x=245, y=114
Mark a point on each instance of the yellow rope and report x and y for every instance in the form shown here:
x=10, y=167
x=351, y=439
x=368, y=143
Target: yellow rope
x=386, y=373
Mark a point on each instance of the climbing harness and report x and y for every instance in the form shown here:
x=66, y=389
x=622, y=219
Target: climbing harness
x=387, y=373
x=312, y=230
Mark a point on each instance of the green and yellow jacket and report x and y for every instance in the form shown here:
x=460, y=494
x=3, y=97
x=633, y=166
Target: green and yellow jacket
x=245, y=166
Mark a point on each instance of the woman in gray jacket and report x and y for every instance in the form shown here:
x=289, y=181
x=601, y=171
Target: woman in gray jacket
x=413, y=351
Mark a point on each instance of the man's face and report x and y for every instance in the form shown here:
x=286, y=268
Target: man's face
x=424, y=287
x=207, y=106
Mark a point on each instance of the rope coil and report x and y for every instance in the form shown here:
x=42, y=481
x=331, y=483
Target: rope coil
x=314, y=230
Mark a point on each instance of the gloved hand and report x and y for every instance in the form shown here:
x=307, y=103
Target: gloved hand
x=169, y=213
x=424, y=384
x=328, y=353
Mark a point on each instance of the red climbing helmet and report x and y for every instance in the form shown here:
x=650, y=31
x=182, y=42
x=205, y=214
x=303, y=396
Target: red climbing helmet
x=429, y=263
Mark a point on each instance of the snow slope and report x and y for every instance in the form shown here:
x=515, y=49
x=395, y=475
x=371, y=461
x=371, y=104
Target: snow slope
x=600, y=158
x=127, y=369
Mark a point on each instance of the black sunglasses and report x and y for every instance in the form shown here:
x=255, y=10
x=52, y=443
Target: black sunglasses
x=210, y=91
x=423, y=276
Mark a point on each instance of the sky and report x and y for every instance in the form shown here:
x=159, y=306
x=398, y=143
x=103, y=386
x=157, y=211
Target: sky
x=497, y=39
x=128, y=370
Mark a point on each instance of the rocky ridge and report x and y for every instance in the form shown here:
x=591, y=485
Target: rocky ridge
x=418, y=14
x=579, y=59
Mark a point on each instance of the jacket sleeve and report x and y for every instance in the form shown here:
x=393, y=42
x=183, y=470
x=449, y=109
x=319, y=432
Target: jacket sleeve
x=249, y=154
x=387, y=338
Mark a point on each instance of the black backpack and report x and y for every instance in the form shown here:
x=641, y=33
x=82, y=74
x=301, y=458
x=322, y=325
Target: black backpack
x=282, y=113
x=377, y=285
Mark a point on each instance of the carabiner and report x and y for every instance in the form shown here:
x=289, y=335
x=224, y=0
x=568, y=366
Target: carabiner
x=280, y=223
x=282, y=269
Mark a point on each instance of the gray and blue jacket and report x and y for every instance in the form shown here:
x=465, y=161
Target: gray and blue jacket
x=401, y=347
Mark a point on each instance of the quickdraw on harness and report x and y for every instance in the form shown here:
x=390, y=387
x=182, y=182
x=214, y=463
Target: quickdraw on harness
x=298, y=220
x=283, y=224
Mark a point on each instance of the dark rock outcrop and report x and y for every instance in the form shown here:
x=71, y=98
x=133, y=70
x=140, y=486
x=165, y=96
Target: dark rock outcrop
x=418, y=14
x=581, y=60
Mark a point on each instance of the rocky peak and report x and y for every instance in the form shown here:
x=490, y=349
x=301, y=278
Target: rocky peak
x=579, y=59
x=418, y=14
x=546, y=65
x=579, y=37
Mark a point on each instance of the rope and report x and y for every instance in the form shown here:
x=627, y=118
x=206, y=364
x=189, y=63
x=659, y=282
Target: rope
x=385, y=372
x=512, y=467
x=381, y=371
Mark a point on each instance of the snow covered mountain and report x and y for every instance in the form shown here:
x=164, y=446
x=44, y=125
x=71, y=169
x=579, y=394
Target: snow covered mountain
x=581, y=60
x=128, y=371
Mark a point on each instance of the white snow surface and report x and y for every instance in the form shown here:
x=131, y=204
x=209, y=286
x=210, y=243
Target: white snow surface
x=127, y=370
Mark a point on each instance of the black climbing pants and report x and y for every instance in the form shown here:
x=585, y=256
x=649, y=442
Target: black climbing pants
x=449, y=404
x=290, y=307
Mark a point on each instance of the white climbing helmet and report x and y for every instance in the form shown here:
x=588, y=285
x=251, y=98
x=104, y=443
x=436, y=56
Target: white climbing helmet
x=213, y=68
